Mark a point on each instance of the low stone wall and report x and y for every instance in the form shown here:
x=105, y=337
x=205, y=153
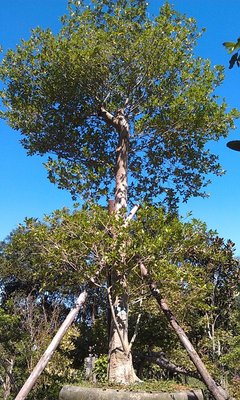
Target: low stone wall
x=82, y=393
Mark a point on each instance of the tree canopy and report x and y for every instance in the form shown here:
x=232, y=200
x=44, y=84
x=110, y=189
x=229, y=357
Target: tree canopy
x=44, y=263
x=113, y=54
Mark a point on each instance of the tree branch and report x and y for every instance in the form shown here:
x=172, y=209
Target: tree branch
x=135, y=330
x=125, y=349
x=160, y=359
x=108, y=117
x=131, y=214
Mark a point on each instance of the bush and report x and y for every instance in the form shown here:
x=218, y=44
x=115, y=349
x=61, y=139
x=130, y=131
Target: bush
x=100, y=368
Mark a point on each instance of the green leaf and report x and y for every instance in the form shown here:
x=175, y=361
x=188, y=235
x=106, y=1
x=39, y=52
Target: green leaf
x=230, y=46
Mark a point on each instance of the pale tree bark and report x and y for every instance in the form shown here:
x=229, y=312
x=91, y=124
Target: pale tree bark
x=120, y=367
x=122, y=161
x=120, y=358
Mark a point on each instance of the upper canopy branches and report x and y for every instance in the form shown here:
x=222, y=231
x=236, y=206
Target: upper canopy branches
x=113, y=54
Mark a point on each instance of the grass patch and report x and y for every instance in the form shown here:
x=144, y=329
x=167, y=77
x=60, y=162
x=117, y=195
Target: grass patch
x=147, y=386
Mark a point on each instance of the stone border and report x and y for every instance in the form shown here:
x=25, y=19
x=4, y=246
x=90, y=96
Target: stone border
x=85, y=393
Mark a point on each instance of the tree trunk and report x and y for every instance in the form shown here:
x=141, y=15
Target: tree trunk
x=120, y=366
x=120, y=358
x=122, y=161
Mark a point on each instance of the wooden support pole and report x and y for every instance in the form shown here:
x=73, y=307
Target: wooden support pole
x=217, y=391
x=51, y=348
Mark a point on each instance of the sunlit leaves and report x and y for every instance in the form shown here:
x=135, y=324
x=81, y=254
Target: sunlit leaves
x=114, y=53
x=67, y=249
x=231, y=47
x=193, y=267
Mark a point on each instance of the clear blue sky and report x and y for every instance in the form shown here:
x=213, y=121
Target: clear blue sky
x=24, y=188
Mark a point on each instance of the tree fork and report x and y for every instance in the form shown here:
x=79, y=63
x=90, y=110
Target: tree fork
x=217, y=391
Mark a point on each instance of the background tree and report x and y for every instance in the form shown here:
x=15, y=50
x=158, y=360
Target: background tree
x=114, y=81
x=33, y=308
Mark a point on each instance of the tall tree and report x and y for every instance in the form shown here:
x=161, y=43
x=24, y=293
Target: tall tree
x=118, y=95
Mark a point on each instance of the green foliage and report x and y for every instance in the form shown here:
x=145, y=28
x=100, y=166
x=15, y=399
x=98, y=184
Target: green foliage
x=187, y=260
x=230, y=47
x=63, y=244
x=100, y=368
x=229, y=358
x=113, y=54
x=92, y=333
x=235, y=387
x=42, y=262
